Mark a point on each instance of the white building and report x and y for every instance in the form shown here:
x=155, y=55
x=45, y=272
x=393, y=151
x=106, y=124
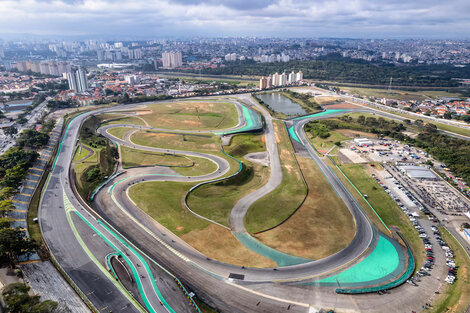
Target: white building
x=77, y=80
x=300, y=76
x=132, y=79
x=292, y=77
x=172, y=59
x=283, y=79
x=276, y=79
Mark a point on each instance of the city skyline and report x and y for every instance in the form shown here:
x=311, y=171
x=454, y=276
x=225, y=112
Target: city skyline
x=185, y=18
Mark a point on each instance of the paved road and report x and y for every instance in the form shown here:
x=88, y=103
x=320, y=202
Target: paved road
x=207, y=277
x=71, y=232
x=137, y=219
x=238, y=212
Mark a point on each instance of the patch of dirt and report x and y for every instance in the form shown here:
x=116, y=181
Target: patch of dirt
x=355, y=133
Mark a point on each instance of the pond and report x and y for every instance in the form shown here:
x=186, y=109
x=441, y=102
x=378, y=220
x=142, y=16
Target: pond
x=281, y=104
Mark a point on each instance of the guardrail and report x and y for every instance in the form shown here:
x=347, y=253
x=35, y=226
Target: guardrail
x=93, y=194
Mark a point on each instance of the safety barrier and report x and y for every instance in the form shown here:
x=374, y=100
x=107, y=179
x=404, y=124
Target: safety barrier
x=93, y=194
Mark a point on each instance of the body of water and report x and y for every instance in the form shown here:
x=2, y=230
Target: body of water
x=281, y=104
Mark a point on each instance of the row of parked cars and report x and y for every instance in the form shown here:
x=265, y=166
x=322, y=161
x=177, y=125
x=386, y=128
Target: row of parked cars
x=450, y=262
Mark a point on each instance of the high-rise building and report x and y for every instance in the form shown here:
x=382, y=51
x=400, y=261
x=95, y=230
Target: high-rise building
x=77, y=80
x=300, y=76
x=44, y=68
x=231, y=57
x=283, y=80
x=276, y=79
x=53, y=68
x=263, y=83
x=172, y=59
x=291, y=78
x=100, y=55
x=132, y=79
x=269, y=83
x=72, y=80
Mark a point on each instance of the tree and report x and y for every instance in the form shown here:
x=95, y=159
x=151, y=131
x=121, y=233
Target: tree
x=430, y=128
x=5, y=207
x=13, y=243
x=18, y=300
x=10, y=131
x=93, y=174
x=6, y=193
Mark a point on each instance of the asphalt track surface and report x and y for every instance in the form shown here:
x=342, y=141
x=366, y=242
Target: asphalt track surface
x=208, y=277
x=107, y=202
x=71, y=231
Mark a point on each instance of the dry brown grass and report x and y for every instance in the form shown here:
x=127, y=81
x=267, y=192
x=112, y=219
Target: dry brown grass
x=175, y=141
x=219, y=244
x=191, y=115
x=322, y=226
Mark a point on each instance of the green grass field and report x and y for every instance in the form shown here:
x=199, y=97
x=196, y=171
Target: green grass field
x=402, y=95
x=244, y=144
x=325, y=144
x=188, y=166
x=455, y=297
x=191, y=115
x=163, y=202
x=206, y=143
x=385, y=206
x=119, y=132
x=113, y=119
x=276, y=206
x=321, y=227
x=224, y=195
x=215, y=201
x=80, y=153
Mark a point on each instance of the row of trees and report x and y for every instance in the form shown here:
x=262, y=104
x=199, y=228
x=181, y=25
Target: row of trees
x=348, y=70
x=452, y=151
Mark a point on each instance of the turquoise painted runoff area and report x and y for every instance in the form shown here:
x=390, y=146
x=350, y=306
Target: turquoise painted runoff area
x=380, y=263
x=252, y=120
x=280, y=258
x=326, y=112
x=293, y=134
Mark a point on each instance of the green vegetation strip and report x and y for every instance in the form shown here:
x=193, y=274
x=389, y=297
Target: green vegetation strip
x=377, y=214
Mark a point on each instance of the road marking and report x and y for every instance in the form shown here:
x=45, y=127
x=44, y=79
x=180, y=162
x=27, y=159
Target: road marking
x=18, y=201
x=25, y=194
x=37, y=169
x=18, y=210
x=38, y=175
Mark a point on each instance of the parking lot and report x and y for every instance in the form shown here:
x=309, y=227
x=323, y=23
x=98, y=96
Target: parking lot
x=382, y=151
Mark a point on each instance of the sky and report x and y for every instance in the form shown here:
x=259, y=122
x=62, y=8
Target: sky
x=147, y=19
